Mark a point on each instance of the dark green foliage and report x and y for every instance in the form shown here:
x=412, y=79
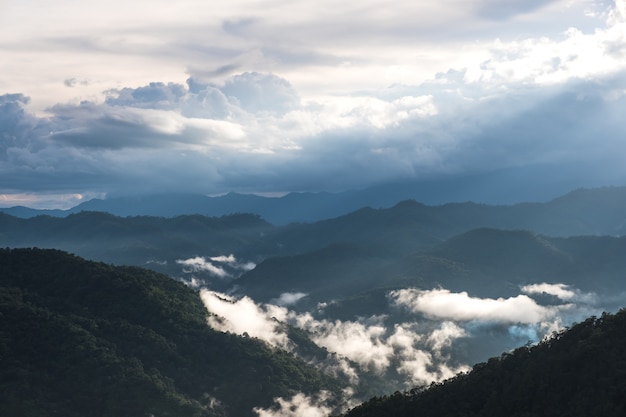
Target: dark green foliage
x=577, y=372
x=79, y=338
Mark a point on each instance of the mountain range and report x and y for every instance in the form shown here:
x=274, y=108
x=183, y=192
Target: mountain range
x=372, y=301
x=312, y=207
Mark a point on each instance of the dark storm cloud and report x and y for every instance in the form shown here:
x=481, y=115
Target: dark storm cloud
x=244, y=135
x=90, y=125
x=14, y=122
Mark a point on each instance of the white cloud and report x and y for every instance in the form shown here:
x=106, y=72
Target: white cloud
x=421, y=351
x=193, y=282
x=421, y=355
x=242, y=315
x=446, y=305
x=230, y=267
x=199, y=263
x=299, y=405
x=418, y=353
x=444, y=336
x=363, y=343
x=561, y=291
x=230, y=259
x=288, y=298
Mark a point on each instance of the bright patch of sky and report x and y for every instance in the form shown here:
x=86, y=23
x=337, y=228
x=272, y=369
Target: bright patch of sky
x=115, y=98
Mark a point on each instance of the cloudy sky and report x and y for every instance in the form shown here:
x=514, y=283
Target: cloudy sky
x=101, y=99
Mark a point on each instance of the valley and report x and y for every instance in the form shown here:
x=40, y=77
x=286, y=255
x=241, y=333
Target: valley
x=377, y=300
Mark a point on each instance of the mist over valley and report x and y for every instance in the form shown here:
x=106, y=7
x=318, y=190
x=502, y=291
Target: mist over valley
x=382, y=300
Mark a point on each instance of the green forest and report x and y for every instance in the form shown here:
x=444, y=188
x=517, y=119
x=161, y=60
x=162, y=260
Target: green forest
x=577, y=372
x=80, y=338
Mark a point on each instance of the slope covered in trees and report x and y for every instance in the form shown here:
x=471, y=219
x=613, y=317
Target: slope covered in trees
x=79, y=338
x=577, y=372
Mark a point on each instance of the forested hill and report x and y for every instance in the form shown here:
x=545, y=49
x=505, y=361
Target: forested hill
x=578, y=372
x=80, y=338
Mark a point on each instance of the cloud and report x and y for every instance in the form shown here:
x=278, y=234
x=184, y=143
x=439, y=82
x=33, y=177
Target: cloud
x=361, y=342
x=288, y=298
x=493, y=9
x=156, y=95
x=46, y=200
x=193, y=282
x=522, y=318
x=446, y=305
x=232, y=262
x=450, y=331
x=417, y=353
x=16, y=124
x=560, y=291
x=242, y=315
x=416, y=103
x=416, y=134
x=230, y=259
x=199, y=263
x=230, y=267
x=261, y=93
x=299, y=405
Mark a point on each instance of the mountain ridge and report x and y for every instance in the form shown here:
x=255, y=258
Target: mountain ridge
x=295, y=206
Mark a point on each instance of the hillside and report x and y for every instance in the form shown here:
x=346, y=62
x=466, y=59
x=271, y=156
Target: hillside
x=577, y=372
x=79, y=338
x=486, y=262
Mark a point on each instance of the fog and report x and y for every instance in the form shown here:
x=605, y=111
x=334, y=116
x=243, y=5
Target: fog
x=434, y=335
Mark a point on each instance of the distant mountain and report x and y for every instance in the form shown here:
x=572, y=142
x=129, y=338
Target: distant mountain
x=382, y=246
x=577, y=372
x=312, y=207
x=26, y=212
x=80, y=338
x=135, y=240
x=293, y=207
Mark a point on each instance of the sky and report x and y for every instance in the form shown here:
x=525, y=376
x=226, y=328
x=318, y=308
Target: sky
x=122, y=98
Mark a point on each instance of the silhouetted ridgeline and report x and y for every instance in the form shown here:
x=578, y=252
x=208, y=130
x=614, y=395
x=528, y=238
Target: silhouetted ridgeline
x=79, y=338
x=584, y=211
x=578, y=372
x=406, y=227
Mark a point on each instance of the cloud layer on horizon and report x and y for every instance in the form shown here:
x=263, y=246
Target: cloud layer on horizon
x=298, y=116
